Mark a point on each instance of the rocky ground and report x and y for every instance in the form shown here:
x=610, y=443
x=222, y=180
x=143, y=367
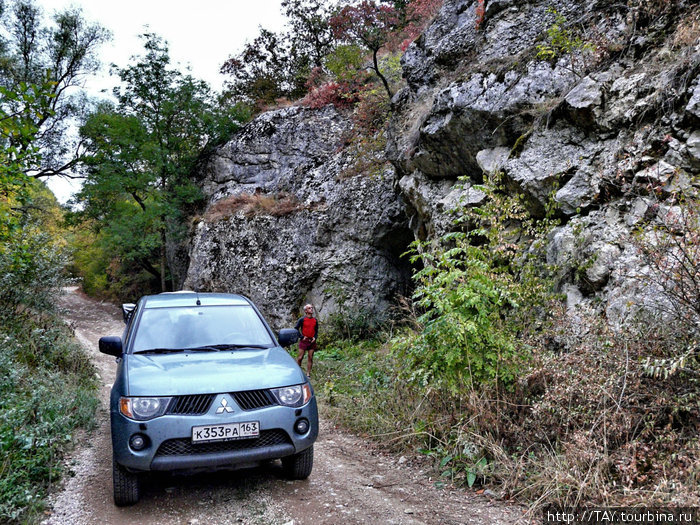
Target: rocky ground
x=352, y=481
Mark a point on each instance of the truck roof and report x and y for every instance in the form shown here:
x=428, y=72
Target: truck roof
x=187, y=298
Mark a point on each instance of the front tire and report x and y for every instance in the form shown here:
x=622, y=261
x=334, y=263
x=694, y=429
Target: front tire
x=126, y=485
x=299, y=466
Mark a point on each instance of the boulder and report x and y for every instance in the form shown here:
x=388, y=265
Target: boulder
x=290, y=222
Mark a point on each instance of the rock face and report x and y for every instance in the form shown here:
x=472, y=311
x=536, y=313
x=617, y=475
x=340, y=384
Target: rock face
x=607, y=131
x=289, y=223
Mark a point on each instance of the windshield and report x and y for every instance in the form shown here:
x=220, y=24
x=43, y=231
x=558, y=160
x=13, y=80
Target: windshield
x=198, y=326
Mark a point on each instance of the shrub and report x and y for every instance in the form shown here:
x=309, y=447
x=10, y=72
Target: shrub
x=591, y=415
x=560, y=41
x=350, y=321
x=345, y=63
x=30, y=273
x=47, y=385
x=47, y=390
x=478, y=292
x=340, y=94
x=669, y=244
x=368, y=138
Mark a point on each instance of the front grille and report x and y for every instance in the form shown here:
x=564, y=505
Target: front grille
x=191, y=405
x=253, y=399
x=184, y=446
x=198, y=404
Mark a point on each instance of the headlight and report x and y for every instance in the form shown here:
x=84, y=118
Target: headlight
x=143, y=408
x=293, y=396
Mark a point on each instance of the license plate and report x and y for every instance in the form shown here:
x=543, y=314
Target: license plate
x=225, y=432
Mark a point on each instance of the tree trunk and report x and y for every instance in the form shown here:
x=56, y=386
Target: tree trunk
x=381, y=77
x=163, y=286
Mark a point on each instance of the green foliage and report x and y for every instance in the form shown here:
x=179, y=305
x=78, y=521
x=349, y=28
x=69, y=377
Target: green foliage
x=309, y=31
x=18, y=150
x=140, y=154
x=356, y=389
x=47, y=386
x=47, y=391
x=361, y=385
x=478, y=292
x=595, y=416
x=56, y=56
x=562, y=41
x=466, y=339
x=30, y=261
x=277, y=65
x=390, y=66
x=344, y=62
x=349, y=321
x=30, y=272
x=46, y=383
x=369, y=25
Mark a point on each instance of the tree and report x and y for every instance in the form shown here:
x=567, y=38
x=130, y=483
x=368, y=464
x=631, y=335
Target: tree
x=58, y=56
x=262, y=72
x=140, y=155
x=278, y=65
x=369, y=25
x=18, y=150
x=310, y=32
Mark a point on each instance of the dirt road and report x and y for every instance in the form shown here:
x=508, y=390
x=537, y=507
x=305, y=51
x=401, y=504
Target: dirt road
x=351, y=482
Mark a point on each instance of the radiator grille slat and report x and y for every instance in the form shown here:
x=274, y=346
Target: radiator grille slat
x=254, y=399
x=201, y=403
x=191, y=405
x=184, y=446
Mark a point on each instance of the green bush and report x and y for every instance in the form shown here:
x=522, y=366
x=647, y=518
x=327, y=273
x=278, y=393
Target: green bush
x=345, y=63
x=47, y=390
x=466, y=338
x=30, y=270
x=350, y=321
x=47, y=383
x=477, y=292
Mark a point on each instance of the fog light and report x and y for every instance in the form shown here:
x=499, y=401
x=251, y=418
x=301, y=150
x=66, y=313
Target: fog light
x=301, y=426
x=137, y=442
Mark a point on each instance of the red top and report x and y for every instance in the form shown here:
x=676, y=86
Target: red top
x=309, y=327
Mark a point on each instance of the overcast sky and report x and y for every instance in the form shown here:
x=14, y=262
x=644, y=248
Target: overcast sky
x=201, y=35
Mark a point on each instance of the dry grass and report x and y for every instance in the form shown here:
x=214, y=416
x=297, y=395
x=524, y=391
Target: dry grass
x=585, y=424
x=255, y=204
x=688, y=32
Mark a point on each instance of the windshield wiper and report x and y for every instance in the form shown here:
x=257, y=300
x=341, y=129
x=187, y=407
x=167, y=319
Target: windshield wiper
x=228, y=346
x=160, y=351
x=204, y=348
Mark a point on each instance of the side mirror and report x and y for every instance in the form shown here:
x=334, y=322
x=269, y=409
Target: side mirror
x=288, y=336
x=111, y=345
x=127, y=311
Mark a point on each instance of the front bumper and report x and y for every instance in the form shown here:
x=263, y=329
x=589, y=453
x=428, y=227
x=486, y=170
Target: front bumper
x=169, y=439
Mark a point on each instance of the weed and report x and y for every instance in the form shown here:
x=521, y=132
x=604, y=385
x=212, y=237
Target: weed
x=593, y=416
x=561, y=41
x=252, y=204
x=47, y=390
x=47, y=384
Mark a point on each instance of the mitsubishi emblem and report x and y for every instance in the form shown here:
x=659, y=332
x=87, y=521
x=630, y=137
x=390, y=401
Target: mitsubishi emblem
x=224, y=407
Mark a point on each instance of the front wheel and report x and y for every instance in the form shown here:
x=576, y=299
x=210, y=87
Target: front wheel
x=298, y=466
x=126, y=485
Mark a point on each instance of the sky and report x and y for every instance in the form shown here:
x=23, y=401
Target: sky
x=201, y=35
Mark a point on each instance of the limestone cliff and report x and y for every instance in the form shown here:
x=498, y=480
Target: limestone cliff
x=596, y=127
x=289, y=223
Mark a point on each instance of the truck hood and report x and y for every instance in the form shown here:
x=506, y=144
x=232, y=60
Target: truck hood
x=210, y=372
